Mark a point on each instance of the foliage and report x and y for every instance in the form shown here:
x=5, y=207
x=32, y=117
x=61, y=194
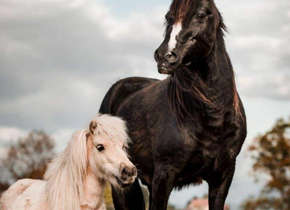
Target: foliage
x=271, y=155
x=170, y=207
x=26, y=159
x=108, y=197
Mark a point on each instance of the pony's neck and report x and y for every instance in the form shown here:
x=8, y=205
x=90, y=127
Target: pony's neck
x=93, y=192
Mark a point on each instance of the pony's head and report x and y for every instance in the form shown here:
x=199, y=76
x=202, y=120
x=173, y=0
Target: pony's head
x=107, y=157
x=192, y=29
x=99, y=151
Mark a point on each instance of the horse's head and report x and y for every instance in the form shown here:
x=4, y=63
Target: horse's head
x=107, y=143
x=192, y=27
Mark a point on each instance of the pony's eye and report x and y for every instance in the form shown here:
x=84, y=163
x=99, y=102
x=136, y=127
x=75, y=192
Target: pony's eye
x=100, y=147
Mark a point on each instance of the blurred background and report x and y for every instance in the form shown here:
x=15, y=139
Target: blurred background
x=59, y=57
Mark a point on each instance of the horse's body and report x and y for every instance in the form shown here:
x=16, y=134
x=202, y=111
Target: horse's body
x=191, y=126
x=75, y=180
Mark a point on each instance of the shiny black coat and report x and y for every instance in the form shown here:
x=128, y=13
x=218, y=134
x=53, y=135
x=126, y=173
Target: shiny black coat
x=189, y=127
x=170, y=155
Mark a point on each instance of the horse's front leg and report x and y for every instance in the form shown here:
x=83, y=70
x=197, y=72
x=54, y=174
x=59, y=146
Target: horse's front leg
x=218, y=189
x=130, y=198
x=163, y=182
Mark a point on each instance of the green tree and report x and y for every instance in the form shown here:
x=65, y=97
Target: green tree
x=27, y=158
x=271, y=155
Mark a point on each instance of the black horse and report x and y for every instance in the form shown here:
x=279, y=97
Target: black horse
x=191, y=126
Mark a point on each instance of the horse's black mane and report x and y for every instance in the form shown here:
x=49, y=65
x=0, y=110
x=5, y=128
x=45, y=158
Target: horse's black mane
x=181, y=10
x=187, y=91
x=187, y=87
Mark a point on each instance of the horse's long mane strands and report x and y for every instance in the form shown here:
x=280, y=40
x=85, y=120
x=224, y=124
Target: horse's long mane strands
x=65, y=175
x=236, y=102
x=186, y=91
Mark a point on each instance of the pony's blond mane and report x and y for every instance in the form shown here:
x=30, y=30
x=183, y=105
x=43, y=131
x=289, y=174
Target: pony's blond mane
x=66, y=173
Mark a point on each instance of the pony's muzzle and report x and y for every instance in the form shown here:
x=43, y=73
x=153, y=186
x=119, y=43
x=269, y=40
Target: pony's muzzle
x=127, y=174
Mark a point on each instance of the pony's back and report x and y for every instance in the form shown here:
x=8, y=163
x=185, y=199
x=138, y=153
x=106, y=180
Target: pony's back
x=27, y=193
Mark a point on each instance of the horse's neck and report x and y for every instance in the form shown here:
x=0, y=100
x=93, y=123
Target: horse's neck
x=220, y=76
x=220, y=73
x=219, y=84
x=93, y=193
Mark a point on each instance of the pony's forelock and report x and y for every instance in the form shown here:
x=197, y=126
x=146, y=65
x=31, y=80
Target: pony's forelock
x=111, y=128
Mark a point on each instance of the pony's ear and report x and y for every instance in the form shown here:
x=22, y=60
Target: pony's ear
x=93, y=126
x=88, y=133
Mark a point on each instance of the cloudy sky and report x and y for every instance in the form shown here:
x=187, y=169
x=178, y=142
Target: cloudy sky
x=59, y=57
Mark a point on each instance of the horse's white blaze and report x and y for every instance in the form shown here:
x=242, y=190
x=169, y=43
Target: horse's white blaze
x=176, y=29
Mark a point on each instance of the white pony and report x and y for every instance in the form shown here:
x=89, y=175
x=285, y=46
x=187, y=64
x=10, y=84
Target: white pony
x=75, y=179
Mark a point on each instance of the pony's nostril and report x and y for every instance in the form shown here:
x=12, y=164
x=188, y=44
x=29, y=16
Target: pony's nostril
x=134, y=171
x=171, y=57
x=125, y=172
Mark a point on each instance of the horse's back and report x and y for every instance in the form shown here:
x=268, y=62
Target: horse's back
x=25, y=194
x=122, y=90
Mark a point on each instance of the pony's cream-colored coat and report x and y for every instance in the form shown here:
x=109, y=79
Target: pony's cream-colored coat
x=75, y=179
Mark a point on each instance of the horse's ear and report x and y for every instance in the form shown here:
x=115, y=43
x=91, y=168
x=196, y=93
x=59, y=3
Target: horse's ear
x=93, y=126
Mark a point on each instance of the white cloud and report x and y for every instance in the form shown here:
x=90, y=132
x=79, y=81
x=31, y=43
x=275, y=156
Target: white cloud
x=10, y=134
x=61, y=138
x=68, y=57
x=254, y=41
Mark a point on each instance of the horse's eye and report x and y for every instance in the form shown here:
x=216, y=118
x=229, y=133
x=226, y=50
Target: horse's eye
x=100, y=147
x=201, y=16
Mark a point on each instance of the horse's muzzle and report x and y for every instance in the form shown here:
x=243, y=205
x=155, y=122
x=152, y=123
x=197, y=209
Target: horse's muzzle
x=166, y=63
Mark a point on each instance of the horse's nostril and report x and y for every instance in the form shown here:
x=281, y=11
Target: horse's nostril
x=157, y=56
x=171, y=57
